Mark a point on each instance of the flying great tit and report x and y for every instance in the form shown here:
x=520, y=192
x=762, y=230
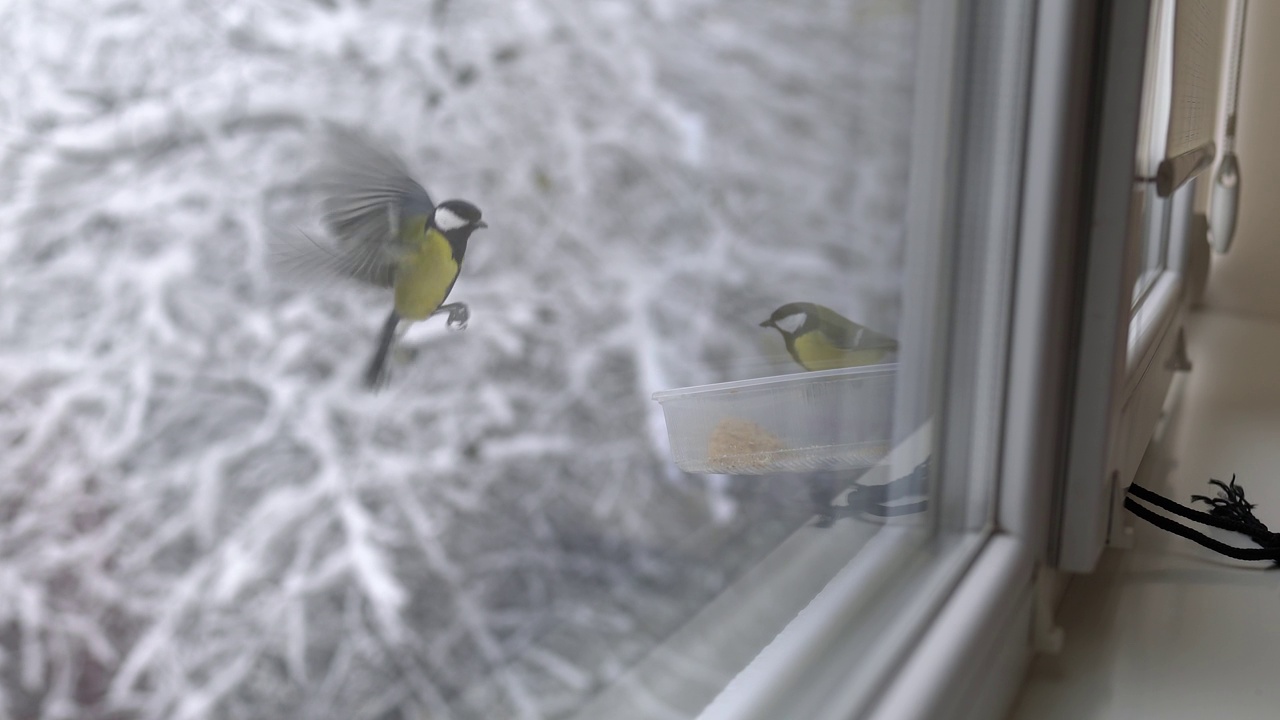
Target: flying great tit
x=820, y=338
x=388, y=233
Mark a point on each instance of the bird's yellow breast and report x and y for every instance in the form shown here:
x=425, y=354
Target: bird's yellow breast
x=815, y=352
x=425, y=275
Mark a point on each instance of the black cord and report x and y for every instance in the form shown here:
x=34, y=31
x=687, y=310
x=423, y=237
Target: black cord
x=1231, y=511
x=1199, y=538
x=1204, y=518
x=1231, y=506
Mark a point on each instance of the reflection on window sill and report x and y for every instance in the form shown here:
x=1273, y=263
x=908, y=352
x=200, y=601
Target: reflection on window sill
x=825, y=600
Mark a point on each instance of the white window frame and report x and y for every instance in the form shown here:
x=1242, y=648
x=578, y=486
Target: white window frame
x=970, y=664
x=1127, y=360
x=965, y=655
x=1080, y=249
x=825, y=633
x=993, y=584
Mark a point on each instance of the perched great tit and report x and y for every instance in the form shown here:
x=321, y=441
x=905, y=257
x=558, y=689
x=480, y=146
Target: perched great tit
x=820, y=338
x=387, y=232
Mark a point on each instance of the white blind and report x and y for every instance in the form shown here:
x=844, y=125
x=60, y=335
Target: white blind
x=1197, y=66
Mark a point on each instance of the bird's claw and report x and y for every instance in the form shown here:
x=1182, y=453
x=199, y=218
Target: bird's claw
x=458, y=317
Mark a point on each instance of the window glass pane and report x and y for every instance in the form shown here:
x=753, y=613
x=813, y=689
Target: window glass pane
x=208, y=514
x=1153, y=134
x=1155, y=241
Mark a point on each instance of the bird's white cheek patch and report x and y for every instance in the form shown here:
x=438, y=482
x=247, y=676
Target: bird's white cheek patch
x=791, y=323
x=447, y=219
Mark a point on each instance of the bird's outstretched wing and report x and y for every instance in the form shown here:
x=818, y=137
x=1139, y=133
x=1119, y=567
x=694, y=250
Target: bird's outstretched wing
x=367, y=195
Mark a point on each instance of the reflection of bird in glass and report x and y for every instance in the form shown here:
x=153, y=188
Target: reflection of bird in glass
x=388, y=233
x=820, y=338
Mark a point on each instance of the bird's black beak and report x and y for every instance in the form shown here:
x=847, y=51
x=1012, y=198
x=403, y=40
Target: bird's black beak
x=481, y=224
x=768, y=323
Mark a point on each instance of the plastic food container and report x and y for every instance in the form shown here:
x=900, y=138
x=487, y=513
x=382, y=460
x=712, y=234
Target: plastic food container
x=828, y=420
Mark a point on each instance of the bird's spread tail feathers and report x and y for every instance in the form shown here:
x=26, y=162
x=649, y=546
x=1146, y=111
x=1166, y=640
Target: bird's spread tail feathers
x=375, y=376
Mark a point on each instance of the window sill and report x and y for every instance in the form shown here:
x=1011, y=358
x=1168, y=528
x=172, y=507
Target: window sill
x=970, y=662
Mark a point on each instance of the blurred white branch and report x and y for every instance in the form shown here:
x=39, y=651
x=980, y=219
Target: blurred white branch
x=205, y=516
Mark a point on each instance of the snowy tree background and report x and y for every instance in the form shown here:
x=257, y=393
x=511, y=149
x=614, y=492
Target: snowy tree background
x=203, y=514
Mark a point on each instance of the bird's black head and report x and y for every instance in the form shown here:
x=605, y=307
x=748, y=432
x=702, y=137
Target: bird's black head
x=790, y=318
x=456, y=220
